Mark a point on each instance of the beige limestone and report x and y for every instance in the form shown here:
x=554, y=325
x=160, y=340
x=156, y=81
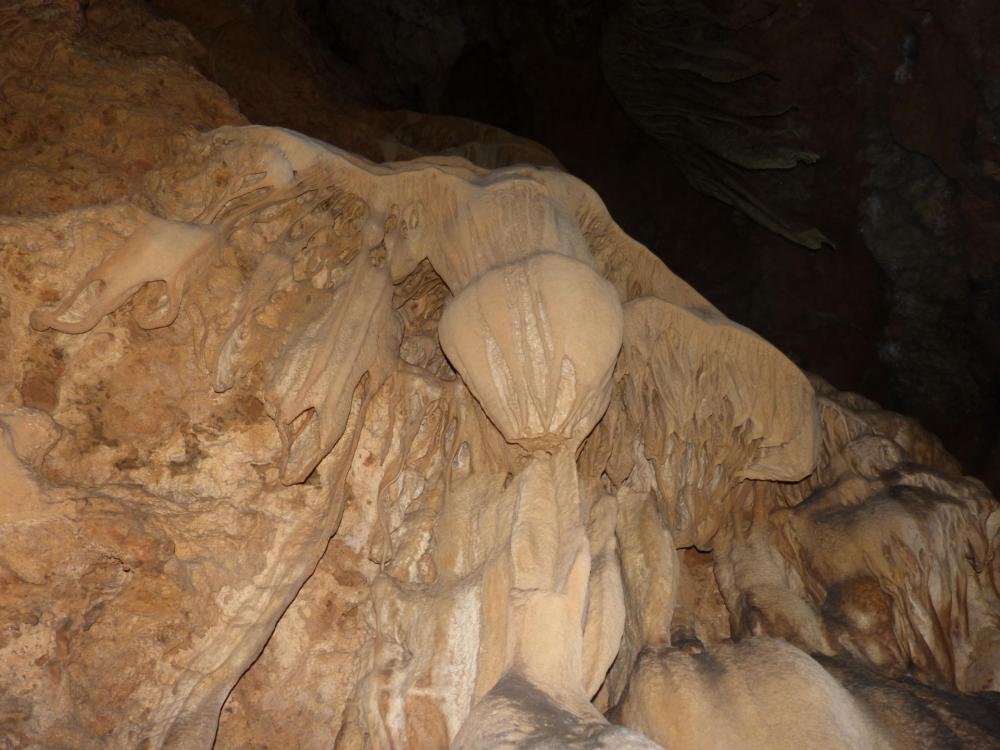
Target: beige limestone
x=302, y=450
x=841, y=563
x=756, y=693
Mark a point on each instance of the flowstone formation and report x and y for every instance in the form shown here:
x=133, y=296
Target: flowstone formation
x=418, y=454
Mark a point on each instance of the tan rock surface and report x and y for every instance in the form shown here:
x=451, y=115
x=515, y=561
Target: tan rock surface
x=755, y=693
x=296, y=691
x=83, y=117
x=884, y=554
x=302, y=450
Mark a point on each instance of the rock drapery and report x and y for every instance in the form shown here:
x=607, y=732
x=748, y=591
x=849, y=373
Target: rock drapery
x=643, y=98
x=508, y=416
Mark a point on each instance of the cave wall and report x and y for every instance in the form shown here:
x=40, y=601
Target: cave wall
x=900, y=102
x=167, y=569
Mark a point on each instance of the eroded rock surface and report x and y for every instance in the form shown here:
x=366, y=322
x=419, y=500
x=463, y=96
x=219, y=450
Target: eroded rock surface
x=299, y=449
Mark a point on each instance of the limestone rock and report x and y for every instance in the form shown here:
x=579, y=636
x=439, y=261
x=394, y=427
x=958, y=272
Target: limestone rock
x=748, y=694
x=300, y=449
x=841, y=562
x=84, y=119
x=296, y=692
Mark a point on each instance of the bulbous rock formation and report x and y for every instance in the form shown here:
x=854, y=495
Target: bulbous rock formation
x=495, y=490
x=303, y=450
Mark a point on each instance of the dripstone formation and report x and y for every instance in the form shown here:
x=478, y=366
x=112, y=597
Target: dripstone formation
x=302, y=450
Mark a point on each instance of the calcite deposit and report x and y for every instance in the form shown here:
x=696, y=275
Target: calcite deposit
x=300, y=449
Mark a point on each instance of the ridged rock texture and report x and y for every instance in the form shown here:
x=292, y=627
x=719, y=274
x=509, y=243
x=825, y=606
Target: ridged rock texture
x=871, y=126
x=303, y=449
